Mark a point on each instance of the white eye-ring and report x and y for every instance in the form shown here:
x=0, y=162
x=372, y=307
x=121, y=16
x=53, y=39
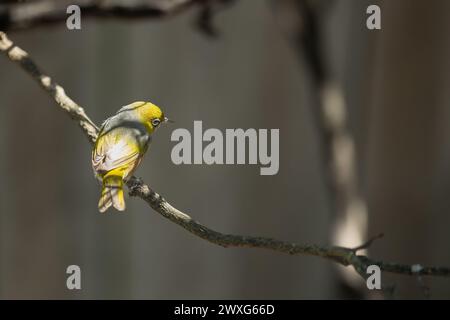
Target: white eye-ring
x=156, y=122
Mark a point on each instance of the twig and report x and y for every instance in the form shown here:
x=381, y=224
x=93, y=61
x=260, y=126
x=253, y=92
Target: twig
x=341, y=255
x=368, y=243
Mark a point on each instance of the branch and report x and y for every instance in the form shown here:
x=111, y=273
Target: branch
x=25, y=15
x=56, y=91
x=341, y=255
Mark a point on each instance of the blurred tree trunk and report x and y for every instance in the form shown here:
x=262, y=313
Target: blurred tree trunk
x=411, y=75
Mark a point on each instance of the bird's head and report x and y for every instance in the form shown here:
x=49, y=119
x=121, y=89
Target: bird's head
x=151, y=115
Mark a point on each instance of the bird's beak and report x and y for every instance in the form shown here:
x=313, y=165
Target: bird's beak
x=168, y=120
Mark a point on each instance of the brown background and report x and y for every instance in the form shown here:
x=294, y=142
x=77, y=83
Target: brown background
x=396, y=86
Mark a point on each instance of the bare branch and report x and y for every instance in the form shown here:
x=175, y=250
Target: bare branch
x=34, y=13
x=343, y=256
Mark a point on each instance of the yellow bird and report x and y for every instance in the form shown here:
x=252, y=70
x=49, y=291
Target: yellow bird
x=122, y=142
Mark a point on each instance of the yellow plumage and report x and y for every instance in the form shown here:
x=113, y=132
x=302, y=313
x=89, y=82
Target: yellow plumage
x=122, y=142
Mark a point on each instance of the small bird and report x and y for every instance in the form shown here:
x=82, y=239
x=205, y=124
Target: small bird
x=122, y=142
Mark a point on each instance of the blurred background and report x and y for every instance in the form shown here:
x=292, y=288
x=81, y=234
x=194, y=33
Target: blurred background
x=364, y=125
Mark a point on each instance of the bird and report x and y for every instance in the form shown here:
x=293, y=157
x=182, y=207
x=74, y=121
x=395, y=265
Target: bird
x=122, y=141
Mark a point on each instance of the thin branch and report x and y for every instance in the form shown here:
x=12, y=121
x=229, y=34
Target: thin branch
x=36, y=13
x=368, y=243
x=343, y=256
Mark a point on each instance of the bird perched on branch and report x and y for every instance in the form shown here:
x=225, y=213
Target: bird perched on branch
x=122, y=142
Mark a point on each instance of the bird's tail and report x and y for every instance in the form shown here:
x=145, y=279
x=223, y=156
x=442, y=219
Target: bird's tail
x=112, y=194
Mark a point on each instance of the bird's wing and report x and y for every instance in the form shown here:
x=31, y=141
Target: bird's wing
x=115, y=150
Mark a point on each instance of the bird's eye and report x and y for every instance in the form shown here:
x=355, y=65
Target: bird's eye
x=156, y=122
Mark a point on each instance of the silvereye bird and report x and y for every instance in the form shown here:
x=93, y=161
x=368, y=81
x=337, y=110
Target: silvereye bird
x=122, y=142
